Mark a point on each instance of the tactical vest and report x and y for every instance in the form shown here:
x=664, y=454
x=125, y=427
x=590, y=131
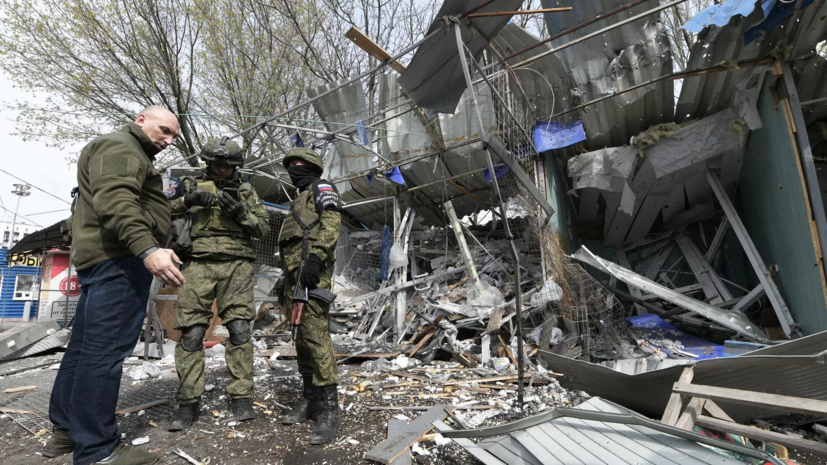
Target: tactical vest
x=302, y=208
x=211, y=221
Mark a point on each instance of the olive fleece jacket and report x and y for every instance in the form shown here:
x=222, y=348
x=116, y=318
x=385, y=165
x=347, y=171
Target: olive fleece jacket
x=121, y=209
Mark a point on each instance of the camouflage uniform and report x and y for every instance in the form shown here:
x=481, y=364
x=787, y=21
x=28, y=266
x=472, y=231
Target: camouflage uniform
x=314, y=348
x=220, y=269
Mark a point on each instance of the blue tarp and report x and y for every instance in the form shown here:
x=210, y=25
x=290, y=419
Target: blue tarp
x=362, y=132
x=549, y=136
x=721, y=13
x=499, y=170
x=394, y=175
x=653, y=328
x=779, y=14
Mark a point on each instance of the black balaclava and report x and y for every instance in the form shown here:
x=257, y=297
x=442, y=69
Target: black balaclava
x=302, y=176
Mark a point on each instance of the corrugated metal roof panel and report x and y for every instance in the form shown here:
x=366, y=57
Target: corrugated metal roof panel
x=627, y=56
x=707, y=94
x=791, y=369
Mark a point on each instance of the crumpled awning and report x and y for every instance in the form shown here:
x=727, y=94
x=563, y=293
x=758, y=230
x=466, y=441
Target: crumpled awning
x=44, y=239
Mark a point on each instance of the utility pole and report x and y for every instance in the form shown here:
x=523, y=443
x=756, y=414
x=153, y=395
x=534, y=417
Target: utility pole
x=20, y=190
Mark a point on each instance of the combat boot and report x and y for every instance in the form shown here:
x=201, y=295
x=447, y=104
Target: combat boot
x=327, y=423
x=308, y=406
x=184, y=417
x=242, y=409
x=60, y=444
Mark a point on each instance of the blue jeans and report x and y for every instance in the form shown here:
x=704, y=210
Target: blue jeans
x=110, y=312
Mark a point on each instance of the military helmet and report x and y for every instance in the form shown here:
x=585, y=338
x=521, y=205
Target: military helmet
x=223, y=151
x=305, y=154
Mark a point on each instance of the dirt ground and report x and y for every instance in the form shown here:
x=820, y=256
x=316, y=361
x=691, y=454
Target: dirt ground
x=216, y=440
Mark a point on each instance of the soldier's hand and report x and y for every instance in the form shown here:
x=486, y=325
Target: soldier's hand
x=310, y=271
x=162, y=265
x=230, y=206
x=199, y=199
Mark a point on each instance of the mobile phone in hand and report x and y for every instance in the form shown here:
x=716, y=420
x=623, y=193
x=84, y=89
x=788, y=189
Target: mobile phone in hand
x=233, y=191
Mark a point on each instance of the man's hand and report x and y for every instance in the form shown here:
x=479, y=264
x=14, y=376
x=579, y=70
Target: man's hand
x=230, y=206
x=310, y=271
x=162, y=265
x=199, y=199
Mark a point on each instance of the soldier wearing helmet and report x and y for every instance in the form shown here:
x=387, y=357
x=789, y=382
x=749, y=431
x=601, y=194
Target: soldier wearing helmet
x=308, y=245
x=224, y=215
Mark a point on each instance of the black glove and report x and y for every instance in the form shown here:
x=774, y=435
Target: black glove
x=230, y=206
x=199, y=199
x=310, y=271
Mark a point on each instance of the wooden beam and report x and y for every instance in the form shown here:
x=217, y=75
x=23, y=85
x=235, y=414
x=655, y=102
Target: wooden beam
x=145, y=406
x=802, y=445
x=712, y=408
x=673, y=408
x=523, y=12
x=373, y=49
x=816, y=408
x=687, y=420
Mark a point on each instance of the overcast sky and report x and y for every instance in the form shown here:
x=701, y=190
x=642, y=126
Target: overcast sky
x=39, y=165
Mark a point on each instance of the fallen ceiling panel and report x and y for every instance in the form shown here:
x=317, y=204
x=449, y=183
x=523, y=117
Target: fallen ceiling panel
x=734, y=321
x=794, y=368
x=434, y=78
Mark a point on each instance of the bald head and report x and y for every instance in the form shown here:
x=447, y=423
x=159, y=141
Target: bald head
x=159, y=124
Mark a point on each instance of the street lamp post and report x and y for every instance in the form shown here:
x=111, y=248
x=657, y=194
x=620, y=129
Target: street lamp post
x=20, y=190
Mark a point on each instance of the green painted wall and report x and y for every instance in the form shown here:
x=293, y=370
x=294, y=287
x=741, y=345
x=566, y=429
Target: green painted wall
x=774, y=211
x=564, y=217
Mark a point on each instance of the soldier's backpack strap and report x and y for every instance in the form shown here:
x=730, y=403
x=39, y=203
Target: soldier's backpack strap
x=306, y=228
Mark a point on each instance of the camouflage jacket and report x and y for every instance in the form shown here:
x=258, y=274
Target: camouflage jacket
x=225, y=237
x=324, y=236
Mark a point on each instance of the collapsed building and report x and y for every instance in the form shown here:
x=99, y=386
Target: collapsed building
x=553, y=206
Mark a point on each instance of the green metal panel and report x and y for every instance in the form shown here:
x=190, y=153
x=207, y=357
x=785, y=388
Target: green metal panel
x=564, y=217
x=775, y=213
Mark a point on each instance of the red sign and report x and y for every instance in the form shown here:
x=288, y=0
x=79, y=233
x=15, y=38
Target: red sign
x=73, y=286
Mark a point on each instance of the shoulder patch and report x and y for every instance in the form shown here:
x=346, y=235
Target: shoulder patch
x=173, y=192
x=326, y=196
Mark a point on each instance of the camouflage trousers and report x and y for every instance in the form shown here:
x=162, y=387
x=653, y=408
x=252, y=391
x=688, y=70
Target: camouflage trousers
x=230, y=284
x=314, y=348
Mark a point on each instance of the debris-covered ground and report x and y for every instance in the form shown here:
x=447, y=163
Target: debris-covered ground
x=371, y=393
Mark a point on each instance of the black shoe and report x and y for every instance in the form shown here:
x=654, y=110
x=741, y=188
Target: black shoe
x=60, y=444
x=184, y=417
x=308, y=406
x=327, y=423
x=125, y=455
x=242, y=409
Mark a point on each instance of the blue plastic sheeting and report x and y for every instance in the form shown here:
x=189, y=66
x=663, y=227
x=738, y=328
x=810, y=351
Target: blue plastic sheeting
x=394, y=175
x=499, y=170
x=720, y=14
x=385, y=258
x=296, y=140
x=362, y=132
x=784, y=11
x=653, y=328
x=550, y=136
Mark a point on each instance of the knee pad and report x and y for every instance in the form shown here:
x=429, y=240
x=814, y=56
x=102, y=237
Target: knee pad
x=239, y=331
x=192, y=337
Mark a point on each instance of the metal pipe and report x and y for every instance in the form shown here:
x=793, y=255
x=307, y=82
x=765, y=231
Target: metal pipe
x=517, y=297
x=518, y=13
x=576, y=28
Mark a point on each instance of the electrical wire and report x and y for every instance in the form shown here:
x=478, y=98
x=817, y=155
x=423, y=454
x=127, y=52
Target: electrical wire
x=21, y=216
x=41, y=190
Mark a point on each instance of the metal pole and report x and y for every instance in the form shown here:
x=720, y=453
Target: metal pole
x=517, y=296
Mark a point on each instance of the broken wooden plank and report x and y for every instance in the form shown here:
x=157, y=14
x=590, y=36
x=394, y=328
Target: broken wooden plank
x=145, y=406
x=802, y=445
x=507, y=350
x=816, y=408
x=712, y=408
x=673, y=408
x=390, y=449
x=693, y=409
x=397, y=428
x=14, y=410
x=19, y=389
x=422, y=341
